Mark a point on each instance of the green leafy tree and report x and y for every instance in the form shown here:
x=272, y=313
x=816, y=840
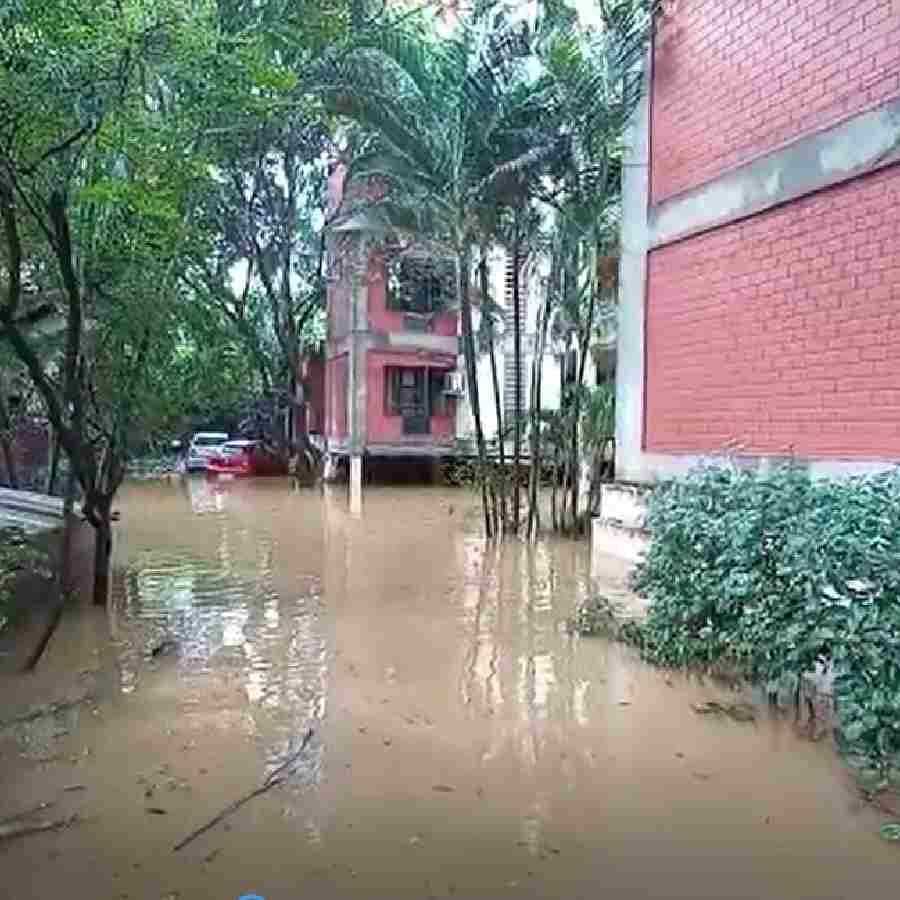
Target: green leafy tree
x=261, y=274
x=101, y=114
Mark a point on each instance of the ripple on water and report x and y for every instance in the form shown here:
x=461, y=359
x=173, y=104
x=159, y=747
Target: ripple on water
x=231, y=623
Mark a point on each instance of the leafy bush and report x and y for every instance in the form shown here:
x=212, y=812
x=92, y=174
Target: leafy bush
x=17, y=558
x=775, y=572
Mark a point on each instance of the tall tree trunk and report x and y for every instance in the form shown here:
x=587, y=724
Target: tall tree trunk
x=517, y=362
x=465, y=306
x=52, y=464
x=9, y=459
x=495, y=383
x=498, y=406
x=102, y=552
x=584, y=340
x=554, y=516
x=543, y=324
x=69, y=523
x=9, y=462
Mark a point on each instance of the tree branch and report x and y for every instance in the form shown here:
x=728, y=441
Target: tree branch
x=14, y=254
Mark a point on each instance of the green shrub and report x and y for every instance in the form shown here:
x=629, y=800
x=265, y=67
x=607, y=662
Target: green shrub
x=17, y=557
x=775, y=572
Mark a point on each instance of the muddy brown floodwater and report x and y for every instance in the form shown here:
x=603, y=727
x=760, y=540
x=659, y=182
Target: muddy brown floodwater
x=464, y=744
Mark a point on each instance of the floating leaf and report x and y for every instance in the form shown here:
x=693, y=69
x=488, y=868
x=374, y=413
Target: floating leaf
x=890, y=831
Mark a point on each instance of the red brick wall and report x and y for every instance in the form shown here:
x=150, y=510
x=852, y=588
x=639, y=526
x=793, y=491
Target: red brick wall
x=735, y=78
x=782, y=330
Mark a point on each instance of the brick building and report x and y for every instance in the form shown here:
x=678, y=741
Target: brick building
x=389, y=352
x=760, y=274
x=394, y=380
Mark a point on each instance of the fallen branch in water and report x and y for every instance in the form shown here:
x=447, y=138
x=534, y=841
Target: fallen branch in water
x=14, y=830
x=15, y=817
x=275, y=778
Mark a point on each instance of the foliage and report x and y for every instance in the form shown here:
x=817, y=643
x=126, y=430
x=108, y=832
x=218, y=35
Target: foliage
x=480, y=135
x=593, y=618
x=17, y=558
x=259, y=273
x=777, y=572
x=103, y=114
x=599, y=416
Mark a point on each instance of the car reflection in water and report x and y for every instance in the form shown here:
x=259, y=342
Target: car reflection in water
x=246, y=457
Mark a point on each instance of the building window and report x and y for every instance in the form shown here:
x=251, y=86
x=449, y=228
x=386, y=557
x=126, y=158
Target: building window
x=405, y=392
x=414, y=392
x=420, y=286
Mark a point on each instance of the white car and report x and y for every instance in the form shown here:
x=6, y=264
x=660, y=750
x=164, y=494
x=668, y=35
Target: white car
x=203, y=446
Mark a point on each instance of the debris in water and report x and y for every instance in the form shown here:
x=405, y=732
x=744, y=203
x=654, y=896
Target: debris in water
x=164, y=648
x=211, y=856
x=890, y=831
x=624, y=703
x=387, y=742
x=15, y=817
x=679, y=755
x=702, y=776
x=415, y=840
x=75, y=787
x=277, y=777
x=739, y=712
x=22, y=829
x=156, y=811
x=443, y=788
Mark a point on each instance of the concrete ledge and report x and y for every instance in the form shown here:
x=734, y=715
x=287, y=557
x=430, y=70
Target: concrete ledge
x=863, y=143
x=35, y=600
x=29, y=511
x=648, y=467
x=624, y=504
x=617, y=541
x=413, y=340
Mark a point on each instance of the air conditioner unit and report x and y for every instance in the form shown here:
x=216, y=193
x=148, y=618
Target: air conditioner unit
x=453, y=384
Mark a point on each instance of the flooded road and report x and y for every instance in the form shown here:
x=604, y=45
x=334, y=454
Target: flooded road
x=464, y=744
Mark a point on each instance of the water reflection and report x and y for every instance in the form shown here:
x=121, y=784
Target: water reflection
x=234, y=612
x=463, y=737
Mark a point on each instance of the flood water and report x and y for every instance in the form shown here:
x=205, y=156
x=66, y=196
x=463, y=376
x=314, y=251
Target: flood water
x=464, y=744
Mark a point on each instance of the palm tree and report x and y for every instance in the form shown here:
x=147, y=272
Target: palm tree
x=499, y=114
x=590, y=84
x=438, y=112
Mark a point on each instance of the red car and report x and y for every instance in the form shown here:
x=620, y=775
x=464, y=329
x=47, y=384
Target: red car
x=246, y=458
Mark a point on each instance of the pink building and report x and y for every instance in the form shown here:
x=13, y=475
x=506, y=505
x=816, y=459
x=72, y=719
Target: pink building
x=760, y=275
x=391, y=348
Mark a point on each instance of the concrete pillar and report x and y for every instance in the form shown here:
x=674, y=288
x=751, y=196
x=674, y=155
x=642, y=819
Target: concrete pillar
x=635, y=243
x=356, y=481
x=357, y=394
